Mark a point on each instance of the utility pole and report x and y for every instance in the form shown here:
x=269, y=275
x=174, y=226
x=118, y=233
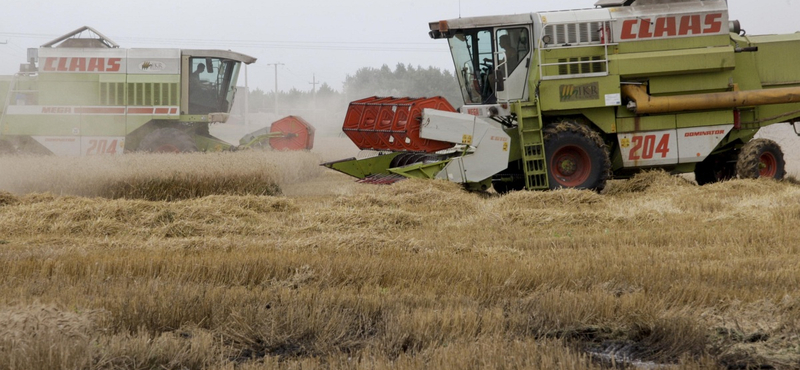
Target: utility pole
x=315, y=83
x=276, y=85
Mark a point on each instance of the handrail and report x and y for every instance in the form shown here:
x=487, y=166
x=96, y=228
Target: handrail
x=604, y=43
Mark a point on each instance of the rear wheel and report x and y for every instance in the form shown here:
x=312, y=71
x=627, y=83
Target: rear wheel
x=168, y=140
x=761, y=158
x=576, y=157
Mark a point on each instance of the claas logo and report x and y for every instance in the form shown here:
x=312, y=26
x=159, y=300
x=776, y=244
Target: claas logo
x=54, y=64
x=589, y=91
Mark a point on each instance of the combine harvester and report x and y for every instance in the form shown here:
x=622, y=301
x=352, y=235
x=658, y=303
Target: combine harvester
x=568, y=99
x=80, y=96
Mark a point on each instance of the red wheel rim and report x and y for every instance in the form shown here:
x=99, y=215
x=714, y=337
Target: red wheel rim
x=570, y=166
x=767, y=165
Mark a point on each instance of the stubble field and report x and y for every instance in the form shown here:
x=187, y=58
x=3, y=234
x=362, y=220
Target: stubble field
x=263, y=260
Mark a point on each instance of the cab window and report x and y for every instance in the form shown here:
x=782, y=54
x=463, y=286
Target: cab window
x=513, y=45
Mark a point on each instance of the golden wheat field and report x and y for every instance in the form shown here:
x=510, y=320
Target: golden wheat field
x=264, y=260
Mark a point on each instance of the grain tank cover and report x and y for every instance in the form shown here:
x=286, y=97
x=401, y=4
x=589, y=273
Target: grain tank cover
x=616, y=3
x=613, y=3
x=74, y=39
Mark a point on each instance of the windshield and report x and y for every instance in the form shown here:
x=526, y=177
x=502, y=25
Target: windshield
x=473, y=56
x=212, y=84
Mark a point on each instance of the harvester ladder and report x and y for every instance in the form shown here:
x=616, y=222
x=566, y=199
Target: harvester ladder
x=534, y=164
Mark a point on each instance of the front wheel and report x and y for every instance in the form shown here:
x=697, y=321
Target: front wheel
x=576, y=157
x=761, y=158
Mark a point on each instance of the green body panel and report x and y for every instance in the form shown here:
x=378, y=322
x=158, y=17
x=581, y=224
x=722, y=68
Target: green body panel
x=634, y=123
x=673, y=44
x=33, y=126
x=773, y=52
x=91, y=90
x=706, y=118
x=577, y=93
x=589, y=56
x=361, y=168
x=4, y=82
x=700, y=82
x=104, y=125
x=672, y=62
x=75, y=89
x=745, y=76
x=646, y=123
x=421, y=170
x=604, y=118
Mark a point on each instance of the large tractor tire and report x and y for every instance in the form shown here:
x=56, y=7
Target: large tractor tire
x=576, y=157
x=168, y=140
x=761, y=158
x=714, y=169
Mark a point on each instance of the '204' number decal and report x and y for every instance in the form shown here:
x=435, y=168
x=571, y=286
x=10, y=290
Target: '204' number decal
x=649, y=146
x=102, y=147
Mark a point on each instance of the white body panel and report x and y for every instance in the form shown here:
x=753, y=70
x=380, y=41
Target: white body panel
x=696, y=143
x=154, y=61
x=651, y=148
x=74, y=146
x=683, y=19
x=686, y=145
x=491, y=144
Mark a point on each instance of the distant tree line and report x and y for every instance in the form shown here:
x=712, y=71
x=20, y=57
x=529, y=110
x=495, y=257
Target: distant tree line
x=325, y=108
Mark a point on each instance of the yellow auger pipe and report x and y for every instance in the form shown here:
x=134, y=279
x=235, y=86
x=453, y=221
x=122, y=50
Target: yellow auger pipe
x=646, y=104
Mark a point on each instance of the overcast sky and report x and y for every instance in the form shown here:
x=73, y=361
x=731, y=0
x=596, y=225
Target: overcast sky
x=329, y=39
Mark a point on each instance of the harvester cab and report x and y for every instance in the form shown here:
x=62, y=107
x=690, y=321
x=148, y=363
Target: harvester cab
x=81, y=94
x=581, y=96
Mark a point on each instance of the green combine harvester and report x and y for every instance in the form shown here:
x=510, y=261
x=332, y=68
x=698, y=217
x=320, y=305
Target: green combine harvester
x=569, y=99
x=81, y=94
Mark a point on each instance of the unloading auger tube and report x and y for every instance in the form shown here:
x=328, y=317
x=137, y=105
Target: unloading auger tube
x=643, y=103
x=423, y=138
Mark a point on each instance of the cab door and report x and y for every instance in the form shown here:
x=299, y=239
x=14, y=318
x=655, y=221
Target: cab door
x=513, y=47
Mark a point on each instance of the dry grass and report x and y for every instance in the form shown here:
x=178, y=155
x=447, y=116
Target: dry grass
x=158, y=176
x=417, y=275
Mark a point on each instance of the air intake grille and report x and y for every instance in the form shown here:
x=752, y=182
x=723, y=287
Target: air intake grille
x=573, y=33
x=112, y=93
x=146, y=94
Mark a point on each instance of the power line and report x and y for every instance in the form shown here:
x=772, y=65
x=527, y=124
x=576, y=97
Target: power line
x=295, y=45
